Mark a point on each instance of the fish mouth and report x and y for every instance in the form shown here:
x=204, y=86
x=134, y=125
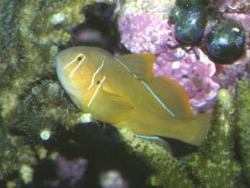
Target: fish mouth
x=60, y=70
x=62, y=76
x=58, y=65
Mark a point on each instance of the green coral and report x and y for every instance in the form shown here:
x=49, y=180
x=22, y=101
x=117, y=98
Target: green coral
x=45, y=107
x=214, y=164
x=167, y=170
x=242, y=104
x=32, y=31
x=31, y=101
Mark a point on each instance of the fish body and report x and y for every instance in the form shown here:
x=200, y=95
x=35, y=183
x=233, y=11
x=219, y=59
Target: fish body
x=122, y=91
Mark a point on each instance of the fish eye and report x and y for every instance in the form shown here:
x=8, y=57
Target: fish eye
x=98, y=82
x=80, y=57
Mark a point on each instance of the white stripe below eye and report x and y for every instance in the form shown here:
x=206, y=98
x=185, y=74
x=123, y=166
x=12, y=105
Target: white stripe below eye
x=73, y=61
x=69, y=64
x=96, y=91
x=157, y=98
x=95, y=73
x=76, y=67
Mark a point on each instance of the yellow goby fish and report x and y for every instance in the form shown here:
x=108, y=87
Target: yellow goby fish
x=123, y=91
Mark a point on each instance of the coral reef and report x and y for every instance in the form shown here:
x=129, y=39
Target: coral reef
x=42, y=131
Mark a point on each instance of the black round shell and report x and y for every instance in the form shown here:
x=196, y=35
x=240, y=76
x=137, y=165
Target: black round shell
x=190, y=26
x=225, y=42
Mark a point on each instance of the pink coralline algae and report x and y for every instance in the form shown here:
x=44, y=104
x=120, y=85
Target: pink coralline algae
x=195, y=75
x=140, y=33
x=145, y=32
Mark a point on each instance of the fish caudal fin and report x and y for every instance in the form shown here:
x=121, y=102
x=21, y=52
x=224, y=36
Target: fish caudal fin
x=196, y=130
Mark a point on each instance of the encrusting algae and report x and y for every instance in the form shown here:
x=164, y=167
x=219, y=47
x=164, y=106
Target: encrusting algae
x=122, y=91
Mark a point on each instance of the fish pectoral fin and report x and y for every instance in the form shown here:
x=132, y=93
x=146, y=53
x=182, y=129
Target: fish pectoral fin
x=111, y=108
x=139, y=64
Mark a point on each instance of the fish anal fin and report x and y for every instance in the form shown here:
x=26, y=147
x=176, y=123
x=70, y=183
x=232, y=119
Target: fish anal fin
x=140, y=64
x=110, y=108
x=173, y=96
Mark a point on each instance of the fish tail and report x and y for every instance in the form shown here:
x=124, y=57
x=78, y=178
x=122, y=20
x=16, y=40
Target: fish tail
x=197, y=129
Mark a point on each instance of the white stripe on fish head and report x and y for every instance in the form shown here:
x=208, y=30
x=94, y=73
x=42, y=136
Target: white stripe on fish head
x=80, y=59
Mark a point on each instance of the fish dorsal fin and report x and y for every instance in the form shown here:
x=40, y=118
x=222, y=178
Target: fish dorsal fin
x=141, y=65
x=173, y=96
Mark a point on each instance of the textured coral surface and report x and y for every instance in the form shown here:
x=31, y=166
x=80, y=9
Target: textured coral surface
x=242, y=123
